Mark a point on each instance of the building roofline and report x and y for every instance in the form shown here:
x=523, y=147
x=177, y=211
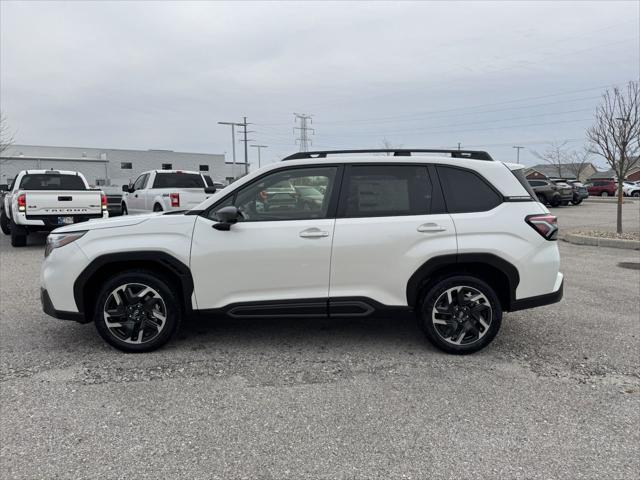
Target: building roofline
x=150, y=150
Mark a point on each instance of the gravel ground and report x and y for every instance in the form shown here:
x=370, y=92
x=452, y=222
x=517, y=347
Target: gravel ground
x=557, y=395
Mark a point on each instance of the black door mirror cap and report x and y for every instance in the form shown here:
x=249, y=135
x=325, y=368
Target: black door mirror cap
x=126, y=188
x=227, y=216
x=210, y=190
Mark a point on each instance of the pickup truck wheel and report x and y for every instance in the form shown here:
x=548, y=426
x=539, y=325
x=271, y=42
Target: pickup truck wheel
x=18, y=238
x=460, y=314
x=157, y=208
x=124, y=209
x=4, y=223
x=137, y=311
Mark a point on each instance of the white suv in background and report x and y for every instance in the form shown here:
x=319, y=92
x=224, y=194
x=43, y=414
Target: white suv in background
x=165, y=191
x=452, y=237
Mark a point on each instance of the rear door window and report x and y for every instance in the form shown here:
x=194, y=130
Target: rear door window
x=386, y=190
x=466, y=191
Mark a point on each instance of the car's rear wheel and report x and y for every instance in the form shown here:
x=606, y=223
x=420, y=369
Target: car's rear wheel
x=157, y=207
x=604, y=194
x=4, y=223
x=577, y=201
x=137, y=311
x=124, y=209
x=555, y=201
x=636, y=194
x=18, y=236
x=460, y=314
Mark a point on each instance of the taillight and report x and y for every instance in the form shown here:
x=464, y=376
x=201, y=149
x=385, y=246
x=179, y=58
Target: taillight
x=103, y=201
x=545, y=224
x=22, y=202
x=175, y=199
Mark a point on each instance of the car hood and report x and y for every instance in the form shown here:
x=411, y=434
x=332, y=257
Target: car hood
x=97, y=224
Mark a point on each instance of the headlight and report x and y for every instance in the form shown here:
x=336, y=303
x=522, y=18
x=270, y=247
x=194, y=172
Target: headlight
x=57, y=240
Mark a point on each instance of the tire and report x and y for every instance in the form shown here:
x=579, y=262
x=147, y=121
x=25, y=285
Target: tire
x=18, y=238
x=157, y=208
x=604, y=194
x=137, y=326
x=124, y=210
x=454, y=332
x=565, y=203
x=555, y=202
x=4, y=223
x=636, y=194
x=577, y=201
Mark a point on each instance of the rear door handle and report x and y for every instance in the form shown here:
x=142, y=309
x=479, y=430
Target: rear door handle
x=431, y=227
x=313, y=233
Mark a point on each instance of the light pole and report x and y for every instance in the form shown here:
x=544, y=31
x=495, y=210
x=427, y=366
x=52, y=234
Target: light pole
x=518, y=148
x=259, y=147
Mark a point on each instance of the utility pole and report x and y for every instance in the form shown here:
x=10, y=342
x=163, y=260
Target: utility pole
x=259, y=147
x=246, y=143
x=518, y=148
x=304, y=128
x=233, y=144
x=459, y=145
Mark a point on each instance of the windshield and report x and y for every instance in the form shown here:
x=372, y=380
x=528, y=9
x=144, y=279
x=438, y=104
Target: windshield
x=51, y=181
x=178, y=180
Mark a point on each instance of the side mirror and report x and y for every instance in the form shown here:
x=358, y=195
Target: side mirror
x=210, y=190
x=4, y=187
x=127, y=189
x=227, y=216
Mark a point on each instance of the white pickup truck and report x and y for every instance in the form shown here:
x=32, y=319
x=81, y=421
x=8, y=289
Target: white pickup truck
x=165, y=191
x=43, y=200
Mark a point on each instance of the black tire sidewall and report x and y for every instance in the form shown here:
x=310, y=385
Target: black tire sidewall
x=158, y=283
x=440, y=287
x=17, y=239
x=4, y=223
x=124, y=210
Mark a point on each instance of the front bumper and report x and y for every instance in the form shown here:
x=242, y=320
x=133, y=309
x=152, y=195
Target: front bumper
x=49, y=309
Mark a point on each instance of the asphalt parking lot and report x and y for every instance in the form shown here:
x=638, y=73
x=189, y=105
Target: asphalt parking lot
x=557, y=395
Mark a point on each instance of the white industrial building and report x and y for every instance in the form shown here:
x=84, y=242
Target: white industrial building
x=110, y=166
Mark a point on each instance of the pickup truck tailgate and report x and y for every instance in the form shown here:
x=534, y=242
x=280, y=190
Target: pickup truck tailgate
x=52, y=202
x=190, y=197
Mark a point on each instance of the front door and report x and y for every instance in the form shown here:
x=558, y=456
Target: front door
x=276, y=259
x=136, y=199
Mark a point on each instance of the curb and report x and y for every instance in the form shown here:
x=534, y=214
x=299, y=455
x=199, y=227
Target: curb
x=601, y=242
x=611, y=200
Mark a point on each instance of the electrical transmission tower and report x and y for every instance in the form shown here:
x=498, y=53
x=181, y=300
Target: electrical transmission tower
x=305, y=130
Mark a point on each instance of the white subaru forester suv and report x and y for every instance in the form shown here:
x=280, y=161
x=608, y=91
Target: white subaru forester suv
x=449, y=236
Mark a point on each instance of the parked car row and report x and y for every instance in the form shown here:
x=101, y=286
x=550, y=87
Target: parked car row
x=558, y=192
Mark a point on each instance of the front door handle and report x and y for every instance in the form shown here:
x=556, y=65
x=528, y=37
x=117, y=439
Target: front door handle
x=430, y=228
x=313, y=233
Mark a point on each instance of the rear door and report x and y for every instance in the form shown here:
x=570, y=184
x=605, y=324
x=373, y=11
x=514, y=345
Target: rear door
x=391, y=220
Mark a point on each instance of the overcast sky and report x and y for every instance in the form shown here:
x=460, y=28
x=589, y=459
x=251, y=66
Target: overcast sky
x=160, y=75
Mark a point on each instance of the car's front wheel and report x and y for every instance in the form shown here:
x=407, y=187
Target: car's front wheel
x=137, y=311
x=577, y=201
x=460, y=314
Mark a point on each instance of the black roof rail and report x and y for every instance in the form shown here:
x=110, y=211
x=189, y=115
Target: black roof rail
x=397, y=152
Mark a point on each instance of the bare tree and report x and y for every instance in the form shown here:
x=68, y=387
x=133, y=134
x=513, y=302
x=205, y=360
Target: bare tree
x=556, y=154
x=578, y=161
x=387, y=145
x=6, y=136
x=615, y=135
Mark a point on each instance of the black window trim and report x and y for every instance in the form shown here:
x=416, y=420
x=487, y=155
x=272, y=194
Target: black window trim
x=502, y=197
x=333, y=201
x=437, y=200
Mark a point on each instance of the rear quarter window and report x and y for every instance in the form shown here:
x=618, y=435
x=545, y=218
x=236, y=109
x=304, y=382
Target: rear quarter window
x=465, y=191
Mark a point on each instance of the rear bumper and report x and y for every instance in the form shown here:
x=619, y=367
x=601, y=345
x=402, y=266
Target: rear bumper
x=49, y=309
x=539, y=300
